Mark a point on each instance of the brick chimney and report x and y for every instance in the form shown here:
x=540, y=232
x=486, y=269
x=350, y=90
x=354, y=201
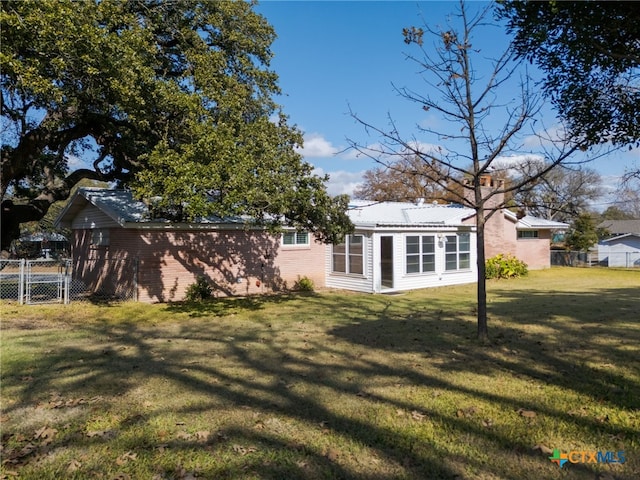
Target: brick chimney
x=499, y=235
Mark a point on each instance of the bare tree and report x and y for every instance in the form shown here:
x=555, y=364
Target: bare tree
x=405, y=180
x=562, y=194
x=628, y=195
x=483, y=125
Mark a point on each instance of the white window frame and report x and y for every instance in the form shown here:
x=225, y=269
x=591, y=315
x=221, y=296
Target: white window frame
x=100, y=237
x=421, y=254
x=349, y=255
x=453, y=249
x=300, y=239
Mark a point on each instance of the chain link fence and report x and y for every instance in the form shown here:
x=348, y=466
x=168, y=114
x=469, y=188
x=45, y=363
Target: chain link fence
x=590, y=259
x=64, y=281
x=562, y=258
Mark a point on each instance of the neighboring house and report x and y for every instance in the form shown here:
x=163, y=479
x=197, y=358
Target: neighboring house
x=41, y=245
x=395, y=247
x=622, y=248
x=621, y=227
x=620, y=251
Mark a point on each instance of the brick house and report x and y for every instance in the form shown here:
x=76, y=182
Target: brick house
x=116, y=247
x=114, y=238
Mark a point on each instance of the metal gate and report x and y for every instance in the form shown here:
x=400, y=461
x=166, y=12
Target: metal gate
x=46, y=281
x=35, y=281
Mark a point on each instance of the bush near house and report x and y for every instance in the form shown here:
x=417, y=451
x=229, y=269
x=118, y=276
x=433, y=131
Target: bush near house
x=505, y=266
x=198, y=291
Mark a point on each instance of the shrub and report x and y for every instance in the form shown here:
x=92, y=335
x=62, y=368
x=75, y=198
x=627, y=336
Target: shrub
x=201, y=290
x=304, y=284
x=505, y=266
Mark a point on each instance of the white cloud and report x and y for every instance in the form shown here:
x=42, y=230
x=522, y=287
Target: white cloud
x=428, y=148
x=385, y=154
x=555, y=134
x=509, y=165
x=316, y=146
x=341, y=182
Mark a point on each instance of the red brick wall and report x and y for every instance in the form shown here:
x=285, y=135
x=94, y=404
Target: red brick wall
x=168, y=261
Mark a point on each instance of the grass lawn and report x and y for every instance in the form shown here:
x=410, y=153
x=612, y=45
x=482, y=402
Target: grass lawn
x=330, y=385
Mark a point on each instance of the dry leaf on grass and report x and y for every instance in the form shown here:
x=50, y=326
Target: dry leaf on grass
x=244, y=450
x=45, y=435
x=103, y=434
x=526, y=413
x=332, y=454
x=183, y=436
x=126, y=457
x=543, y=448
x=74, y=465
x=416, y=415
x=466, y=412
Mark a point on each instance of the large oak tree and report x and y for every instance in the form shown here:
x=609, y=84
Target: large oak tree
x=172, y=99
x=590, y=54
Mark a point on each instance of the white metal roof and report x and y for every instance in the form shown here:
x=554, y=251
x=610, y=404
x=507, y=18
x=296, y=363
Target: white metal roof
x=370, y=214
x=529, y=222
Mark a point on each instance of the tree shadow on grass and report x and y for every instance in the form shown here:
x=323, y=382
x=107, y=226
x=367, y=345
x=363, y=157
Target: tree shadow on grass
x=337, y=385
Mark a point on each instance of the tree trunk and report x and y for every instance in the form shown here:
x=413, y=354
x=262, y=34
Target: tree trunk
x=483, y=329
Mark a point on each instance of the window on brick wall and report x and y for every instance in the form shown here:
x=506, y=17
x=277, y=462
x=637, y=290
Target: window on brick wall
x=100, y=237
x=291, y=239
x=527, y=233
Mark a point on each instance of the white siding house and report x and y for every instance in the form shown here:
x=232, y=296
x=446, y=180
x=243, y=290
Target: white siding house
x=404, y=246
x=620, y=251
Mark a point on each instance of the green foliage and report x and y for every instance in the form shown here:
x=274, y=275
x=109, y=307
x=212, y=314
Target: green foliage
x=304, y=284
x=178, y=98
x=583, y=234
x=198, y=291
x=589, y=52
x=505, y=266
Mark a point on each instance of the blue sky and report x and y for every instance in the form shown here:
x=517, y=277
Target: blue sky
x=333, y=57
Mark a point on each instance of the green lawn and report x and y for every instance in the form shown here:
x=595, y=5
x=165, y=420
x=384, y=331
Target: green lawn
x=329, y=385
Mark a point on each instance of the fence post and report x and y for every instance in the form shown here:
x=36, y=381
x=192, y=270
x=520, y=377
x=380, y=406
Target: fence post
x=21, y=281
x=135, y=279
x=67, y=282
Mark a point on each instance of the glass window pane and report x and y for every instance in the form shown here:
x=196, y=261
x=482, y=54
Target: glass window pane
x=302, y=238
x=355, y=264
x=354, y=239
x=339, y=248
x=464, y=242
x=428, y=244
x=451, y=261
x=465, y=260
x=428, y=263
x=413, y=245
x=288, y=238
x=452, y=243
x=413, y=264
x=339, y=263
x=355, y=248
